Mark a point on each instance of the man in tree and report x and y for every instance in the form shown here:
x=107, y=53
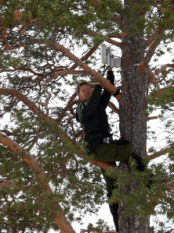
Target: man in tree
x=92, y=115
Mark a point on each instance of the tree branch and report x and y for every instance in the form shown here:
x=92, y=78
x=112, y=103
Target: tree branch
x=41, y=114
x=25, y=100
x=159, y=153
x=65, y=72
x=87, y=69
x=152, y=78
x=86, y=56
x=163, y=69
x=4, y=184
x=151, y=39
x=118, y=44
x=154, y=43
x=113, y=107
x=32, y=107
x=70, y=102
x=152, y=118
x=158, y=92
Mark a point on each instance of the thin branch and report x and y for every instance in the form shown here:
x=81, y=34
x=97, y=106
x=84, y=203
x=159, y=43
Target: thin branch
x=118, y=44
x=159, y=153
x=70, y=102
x=86, y=56
x=65, y=72
x=25, y=100
x=151, y=39
x=154, y=45
x=163, y=69
x=118, y=36
x=6, y=184
x=158, y=92
x=23, y=69
x=113, y=107
x=152, y=78
x=152, y=118
x=152, y=48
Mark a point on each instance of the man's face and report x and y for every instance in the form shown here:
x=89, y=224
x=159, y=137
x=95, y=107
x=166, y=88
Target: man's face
x=85, y=92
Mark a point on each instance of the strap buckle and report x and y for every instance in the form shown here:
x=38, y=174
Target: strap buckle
x=106, y=140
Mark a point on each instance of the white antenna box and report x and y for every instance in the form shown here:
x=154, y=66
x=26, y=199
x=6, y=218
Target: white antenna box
x=108, y=58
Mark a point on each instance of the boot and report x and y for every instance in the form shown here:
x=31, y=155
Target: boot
x=114, y=212
x=141, y=167
x=150, y=181
x=140, y=164
x=120, y=142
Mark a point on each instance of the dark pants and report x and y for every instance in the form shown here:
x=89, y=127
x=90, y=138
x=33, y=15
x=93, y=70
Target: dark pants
x=113, y=152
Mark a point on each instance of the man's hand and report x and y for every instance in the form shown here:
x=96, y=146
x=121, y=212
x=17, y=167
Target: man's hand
x=109, y=68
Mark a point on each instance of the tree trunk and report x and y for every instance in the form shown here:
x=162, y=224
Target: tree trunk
x=133, y=118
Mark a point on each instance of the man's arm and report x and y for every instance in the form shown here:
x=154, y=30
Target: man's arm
x=105, y=97
x=88, y=107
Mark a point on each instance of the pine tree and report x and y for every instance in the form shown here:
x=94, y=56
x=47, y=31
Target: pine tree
x=47, y=47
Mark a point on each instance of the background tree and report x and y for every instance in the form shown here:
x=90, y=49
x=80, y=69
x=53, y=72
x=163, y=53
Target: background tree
x=46, y=48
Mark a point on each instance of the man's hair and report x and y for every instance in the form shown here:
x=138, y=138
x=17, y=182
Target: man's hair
x=81, y=84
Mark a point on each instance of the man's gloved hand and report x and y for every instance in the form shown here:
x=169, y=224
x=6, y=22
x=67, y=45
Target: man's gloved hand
x=109, y=68
x=110, y=75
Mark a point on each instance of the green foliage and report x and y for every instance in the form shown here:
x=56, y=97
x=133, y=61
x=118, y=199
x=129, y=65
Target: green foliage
x=73, y=183
x=141, y=201
x=101, y=225
x=164, y=99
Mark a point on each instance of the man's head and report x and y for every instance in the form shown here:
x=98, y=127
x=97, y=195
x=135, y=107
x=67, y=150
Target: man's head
x=84, y=90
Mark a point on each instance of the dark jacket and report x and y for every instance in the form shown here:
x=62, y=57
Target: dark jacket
x=92, y=115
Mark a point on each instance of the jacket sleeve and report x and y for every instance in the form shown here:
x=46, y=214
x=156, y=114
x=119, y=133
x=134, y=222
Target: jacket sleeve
x=88, y=107
x=105, y=97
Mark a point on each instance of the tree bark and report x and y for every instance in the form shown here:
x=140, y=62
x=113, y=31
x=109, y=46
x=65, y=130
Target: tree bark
x=133, y=119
